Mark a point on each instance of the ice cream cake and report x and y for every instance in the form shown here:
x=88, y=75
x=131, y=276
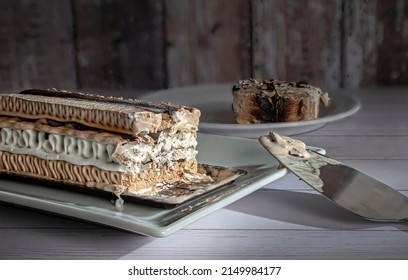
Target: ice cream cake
x=109, y=143
x=269, y=101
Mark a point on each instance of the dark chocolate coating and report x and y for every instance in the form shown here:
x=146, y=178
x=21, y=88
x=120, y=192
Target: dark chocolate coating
x=159, y=108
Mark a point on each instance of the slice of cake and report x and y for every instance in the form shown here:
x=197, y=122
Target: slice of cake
x=114, y=144
x=263, y=101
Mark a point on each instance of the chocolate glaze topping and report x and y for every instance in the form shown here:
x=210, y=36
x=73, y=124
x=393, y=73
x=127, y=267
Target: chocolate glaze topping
x=82, y=127
x=158, y=108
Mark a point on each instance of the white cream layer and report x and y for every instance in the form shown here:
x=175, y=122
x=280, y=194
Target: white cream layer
x=131, y=157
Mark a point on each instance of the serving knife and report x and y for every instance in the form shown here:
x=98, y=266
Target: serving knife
x=344, y=185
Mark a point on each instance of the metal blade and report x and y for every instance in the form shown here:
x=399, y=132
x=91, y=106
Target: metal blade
x=346, y=186
x=361, y=194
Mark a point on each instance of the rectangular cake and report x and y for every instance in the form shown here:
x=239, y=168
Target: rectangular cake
x=114, y=144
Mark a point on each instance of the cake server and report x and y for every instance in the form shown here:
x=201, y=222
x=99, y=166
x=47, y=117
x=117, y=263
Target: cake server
x=345, y=186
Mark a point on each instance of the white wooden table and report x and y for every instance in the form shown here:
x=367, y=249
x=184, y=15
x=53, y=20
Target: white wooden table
x=284, y=220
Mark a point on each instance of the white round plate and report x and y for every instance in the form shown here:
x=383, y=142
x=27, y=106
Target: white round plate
x=215, y=101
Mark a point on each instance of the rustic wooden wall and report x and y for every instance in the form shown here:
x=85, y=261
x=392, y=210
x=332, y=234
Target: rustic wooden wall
x=207, y=41
x=153, y=44
x=376, y=43
x=298, y=40
x=119, y=44
x=36, y=44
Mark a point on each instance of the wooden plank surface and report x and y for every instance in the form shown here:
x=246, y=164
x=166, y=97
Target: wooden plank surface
x=283, y=225
x=265, y=244
x=119, y=44
x=276, y=209
x=212, y=244
x=297, y=40
x=207, y=41
x=36, y=44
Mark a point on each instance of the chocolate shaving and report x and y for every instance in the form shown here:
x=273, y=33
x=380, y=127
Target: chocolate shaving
x=265, y=106
x=301, y=83
x=154, y=136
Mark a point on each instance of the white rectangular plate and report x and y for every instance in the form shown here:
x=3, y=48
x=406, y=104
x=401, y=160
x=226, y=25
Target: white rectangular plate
x=225, y=151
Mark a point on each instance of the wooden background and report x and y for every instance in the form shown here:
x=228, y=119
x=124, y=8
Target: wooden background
x=154, y=44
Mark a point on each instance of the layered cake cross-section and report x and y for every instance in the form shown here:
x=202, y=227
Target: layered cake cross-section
x=109, y=143
x=270, y=101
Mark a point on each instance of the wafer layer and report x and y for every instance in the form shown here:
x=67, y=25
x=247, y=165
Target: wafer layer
x=94, y=177
x=116, y=117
